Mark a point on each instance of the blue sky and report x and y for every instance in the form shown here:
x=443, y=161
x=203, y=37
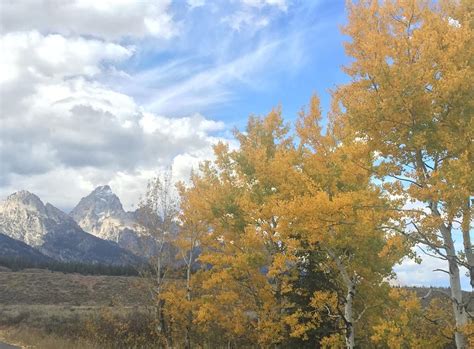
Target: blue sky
x=231, y=71
x=97, y=92
x=112, y=91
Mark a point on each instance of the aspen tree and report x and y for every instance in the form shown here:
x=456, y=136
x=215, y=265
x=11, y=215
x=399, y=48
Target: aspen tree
x=411, y=99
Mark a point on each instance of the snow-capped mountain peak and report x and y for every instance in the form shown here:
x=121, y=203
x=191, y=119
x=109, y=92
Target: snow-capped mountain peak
x=101, y=214
x=103, y=189
x=24, y=217
x=99, y=203
x=25, y=199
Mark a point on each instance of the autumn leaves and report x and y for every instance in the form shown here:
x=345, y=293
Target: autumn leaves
x=298, y=229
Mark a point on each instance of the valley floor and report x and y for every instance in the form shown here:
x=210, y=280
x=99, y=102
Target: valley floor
x=49, y=310
x=44, y=309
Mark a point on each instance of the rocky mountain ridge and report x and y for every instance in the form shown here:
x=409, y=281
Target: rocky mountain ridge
x=25, y=218
x=101, y=214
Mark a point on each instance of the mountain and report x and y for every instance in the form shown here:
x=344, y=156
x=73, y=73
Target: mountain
x=101, y=214
x=24, y=217
x=15, y=249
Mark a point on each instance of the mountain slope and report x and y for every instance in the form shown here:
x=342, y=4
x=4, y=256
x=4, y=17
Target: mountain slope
x=15, y=249
x=101, y=213
x=24, y=217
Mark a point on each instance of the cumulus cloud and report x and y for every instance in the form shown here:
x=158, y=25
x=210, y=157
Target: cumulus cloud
x=63, y=129
x=430, y=272
x=107, y=19
x=67, y=126
x=31, y=60
x=74, y=116
x=76, y=124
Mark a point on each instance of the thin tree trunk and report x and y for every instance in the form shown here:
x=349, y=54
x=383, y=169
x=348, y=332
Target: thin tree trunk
x=349, y=315
x=350, y=284
x=187, y=339
x=459, y=309
x=163, y=325
x=466, y=234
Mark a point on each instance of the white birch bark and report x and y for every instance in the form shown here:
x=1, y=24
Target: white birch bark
x=466, y=235
x=350, y=284
x=459, y=308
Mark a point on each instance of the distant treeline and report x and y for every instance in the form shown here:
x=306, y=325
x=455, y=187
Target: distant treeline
x=18, y=263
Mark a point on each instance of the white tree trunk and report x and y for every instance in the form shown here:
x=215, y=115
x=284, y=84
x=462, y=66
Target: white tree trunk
x=466, y=235
x=349, y=316
x=459, y=308
x=460, y=315
x=350, y=283
x=189, y=320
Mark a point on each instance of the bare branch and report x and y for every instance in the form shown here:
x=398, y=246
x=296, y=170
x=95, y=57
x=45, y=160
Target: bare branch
x=428, y=294
x=442, y=270
x=330, y=314
x=406, y=180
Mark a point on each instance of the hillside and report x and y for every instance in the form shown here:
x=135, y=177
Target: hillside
x=15, y=249
x=44, y=287
x=35, y=286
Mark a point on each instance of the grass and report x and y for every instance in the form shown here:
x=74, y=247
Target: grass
x=62, y=326
x=32, y=338
x=49, y=310
x=44, y=309
x=45, y=287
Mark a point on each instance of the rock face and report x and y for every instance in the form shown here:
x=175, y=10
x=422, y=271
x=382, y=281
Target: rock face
x=101, y=214
x=24, y=217
x=21, y=218
x=15, y=249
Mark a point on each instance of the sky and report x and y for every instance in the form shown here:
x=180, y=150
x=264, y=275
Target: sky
x=113, y=91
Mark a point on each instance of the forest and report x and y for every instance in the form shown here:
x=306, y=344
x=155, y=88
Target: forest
x=298, y=227
x=20, y=263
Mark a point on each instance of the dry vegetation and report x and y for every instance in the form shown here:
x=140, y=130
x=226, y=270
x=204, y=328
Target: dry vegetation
x=37, y=286
x=47, y=309
x=44, y=309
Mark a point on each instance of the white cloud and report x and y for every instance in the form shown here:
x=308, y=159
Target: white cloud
x=196, y=87
x=414, y=274
x=67, y=124
x=254, y=14
x=179, y=128
x=63, y=131
x=31, y=58
x=280, y=4
x=98, y=135
x=92, y=137
x=244, y=19
x=108, y=19
x=410, y=273
x=195, y=3
x=183, y=164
